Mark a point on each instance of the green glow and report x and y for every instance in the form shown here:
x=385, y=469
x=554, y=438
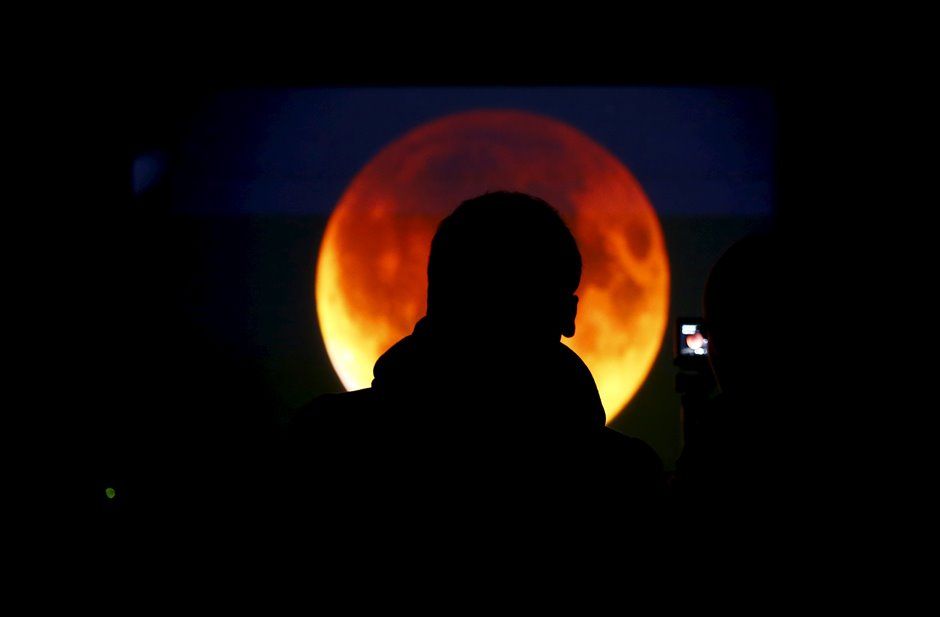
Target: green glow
x=109, y=492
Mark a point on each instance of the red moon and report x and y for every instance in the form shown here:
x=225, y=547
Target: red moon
x=371, y=279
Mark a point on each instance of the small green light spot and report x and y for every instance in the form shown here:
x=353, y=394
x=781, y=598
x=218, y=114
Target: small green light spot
x=109, y=492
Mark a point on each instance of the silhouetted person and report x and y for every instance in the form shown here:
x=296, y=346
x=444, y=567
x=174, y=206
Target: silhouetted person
x=737, y=450
x=481, y=413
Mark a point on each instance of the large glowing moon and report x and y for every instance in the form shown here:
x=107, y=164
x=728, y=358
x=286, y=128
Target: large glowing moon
x=371, y=279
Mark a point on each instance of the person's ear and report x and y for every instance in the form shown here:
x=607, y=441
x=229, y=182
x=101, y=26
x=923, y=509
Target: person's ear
x=569, y=310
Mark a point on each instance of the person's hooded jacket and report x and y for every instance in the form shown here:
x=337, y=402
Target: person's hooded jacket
x=445, y=431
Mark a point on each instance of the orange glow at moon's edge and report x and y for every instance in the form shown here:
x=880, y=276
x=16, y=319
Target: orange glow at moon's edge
x=371, y=279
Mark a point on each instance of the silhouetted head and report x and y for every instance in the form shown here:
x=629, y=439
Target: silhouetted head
x=747, y=328
x=504, y=267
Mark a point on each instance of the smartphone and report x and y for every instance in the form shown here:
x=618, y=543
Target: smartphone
x=691, y=340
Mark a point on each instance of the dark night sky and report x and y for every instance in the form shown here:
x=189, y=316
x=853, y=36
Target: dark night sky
x=696, y=151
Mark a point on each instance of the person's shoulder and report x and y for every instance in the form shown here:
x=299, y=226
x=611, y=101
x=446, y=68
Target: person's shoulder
x=332, y=409
x=639, y=453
